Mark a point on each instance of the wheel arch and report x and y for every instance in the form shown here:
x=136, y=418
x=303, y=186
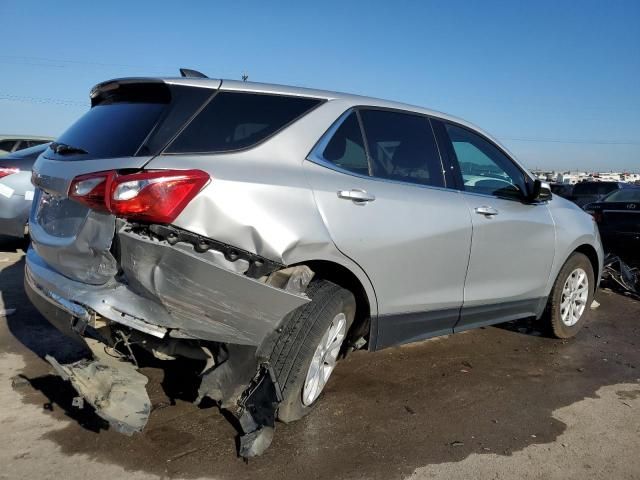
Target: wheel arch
x=366, y=304
x=590, y=252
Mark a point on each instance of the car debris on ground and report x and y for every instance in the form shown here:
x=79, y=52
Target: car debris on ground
x=621, y=276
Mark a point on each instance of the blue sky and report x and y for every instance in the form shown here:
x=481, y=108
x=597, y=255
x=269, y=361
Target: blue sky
x=558, y=82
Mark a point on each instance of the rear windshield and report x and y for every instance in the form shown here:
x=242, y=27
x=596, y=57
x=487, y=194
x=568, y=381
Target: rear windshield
x=235, y=121
x=111, y=131
x=131, y=119
x=626, y=195
x=594, y=188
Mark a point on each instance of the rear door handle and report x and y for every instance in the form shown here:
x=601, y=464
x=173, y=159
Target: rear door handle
x=356, y=195
x=486, y=211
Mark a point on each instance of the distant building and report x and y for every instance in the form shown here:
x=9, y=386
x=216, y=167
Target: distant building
x=572, y=177
x=546, y=175
x=606, y=177
x=630, y=177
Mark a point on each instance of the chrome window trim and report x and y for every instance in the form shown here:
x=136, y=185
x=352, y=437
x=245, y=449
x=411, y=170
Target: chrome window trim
x=487, y=195
x=315, y=156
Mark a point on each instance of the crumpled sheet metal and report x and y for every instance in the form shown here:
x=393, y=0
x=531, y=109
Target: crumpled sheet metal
x=174, y=287
x=624, y=276
x=203, y=297
x=266, y=207
x=87, y=259
x=108, y=300
x=114, y=388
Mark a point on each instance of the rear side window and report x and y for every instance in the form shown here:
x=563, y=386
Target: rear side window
x=402, y=147
x=346, y=147
x=234, y=121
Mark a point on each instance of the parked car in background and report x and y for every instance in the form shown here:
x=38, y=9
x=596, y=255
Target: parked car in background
x=618, y=218
x=264, y=229
x=562, y=189
x=587, y=192
x=13, y=143
x=16, y=190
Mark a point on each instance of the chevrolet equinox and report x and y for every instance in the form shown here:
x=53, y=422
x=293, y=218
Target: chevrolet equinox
x=265, y=230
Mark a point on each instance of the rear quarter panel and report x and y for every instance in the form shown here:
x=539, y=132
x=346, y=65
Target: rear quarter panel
x=259, y=199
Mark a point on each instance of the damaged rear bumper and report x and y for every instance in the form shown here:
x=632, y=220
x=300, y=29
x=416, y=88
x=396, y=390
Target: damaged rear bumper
x=168, y=291
x=172, y=300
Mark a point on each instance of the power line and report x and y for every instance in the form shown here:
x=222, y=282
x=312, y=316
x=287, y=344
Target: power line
x=52, y=62
x=61, y=63
x=42, y=100
x=75, y=103
x=579, y=141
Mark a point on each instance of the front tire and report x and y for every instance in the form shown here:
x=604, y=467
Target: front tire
x=306, y=351
x=571, y=297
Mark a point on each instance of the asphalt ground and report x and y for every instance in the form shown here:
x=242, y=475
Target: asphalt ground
x=498, y=402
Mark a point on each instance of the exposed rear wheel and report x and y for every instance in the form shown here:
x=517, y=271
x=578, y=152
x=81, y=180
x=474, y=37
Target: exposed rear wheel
x=307, y=350
x=571, y=297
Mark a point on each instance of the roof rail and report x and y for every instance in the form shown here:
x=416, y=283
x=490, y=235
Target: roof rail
x=188, y=73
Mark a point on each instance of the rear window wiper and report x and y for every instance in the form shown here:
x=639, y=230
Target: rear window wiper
x=64, y=149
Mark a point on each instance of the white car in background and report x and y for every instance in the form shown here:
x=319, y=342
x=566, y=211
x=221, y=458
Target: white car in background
x=13, y=143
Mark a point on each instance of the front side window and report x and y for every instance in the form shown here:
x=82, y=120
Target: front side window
x=402, y=147
x=484, y=168
x=237, y=120
x=346, y=148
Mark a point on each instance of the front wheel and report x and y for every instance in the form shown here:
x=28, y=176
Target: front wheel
x=570, y=297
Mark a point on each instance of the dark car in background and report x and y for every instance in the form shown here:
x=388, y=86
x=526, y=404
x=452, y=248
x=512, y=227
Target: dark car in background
x=588, y=192
x=618, y=218
x=561, y=189
x=16, y=191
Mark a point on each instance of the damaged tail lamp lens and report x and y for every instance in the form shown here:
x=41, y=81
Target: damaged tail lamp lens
x=156, y=196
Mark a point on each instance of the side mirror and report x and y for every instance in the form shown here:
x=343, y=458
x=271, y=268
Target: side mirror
x=540, y=192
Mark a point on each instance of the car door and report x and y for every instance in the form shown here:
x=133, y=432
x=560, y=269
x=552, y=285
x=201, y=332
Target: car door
x=386, y=207
x=512, y=247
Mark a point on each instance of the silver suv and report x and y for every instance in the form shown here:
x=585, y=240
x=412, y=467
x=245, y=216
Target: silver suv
x=265, y=230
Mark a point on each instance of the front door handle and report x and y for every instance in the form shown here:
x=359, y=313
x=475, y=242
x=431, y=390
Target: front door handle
x=356, y=195
x=486, y=211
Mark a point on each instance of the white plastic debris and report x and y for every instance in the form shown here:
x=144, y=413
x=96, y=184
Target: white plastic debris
x=594, y=305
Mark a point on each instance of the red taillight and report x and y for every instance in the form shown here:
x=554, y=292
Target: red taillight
x=90, y=189
x=8, y=171
x=152, y=195
x=596, y=214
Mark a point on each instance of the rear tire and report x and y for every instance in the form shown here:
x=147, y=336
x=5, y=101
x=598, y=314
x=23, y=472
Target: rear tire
x=571, y=297
x=330, y=313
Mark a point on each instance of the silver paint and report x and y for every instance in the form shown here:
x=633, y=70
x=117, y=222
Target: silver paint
x=413, y=249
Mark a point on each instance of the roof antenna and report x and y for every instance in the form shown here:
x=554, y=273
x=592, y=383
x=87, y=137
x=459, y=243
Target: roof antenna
x=245, y=76
x=188, y=73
